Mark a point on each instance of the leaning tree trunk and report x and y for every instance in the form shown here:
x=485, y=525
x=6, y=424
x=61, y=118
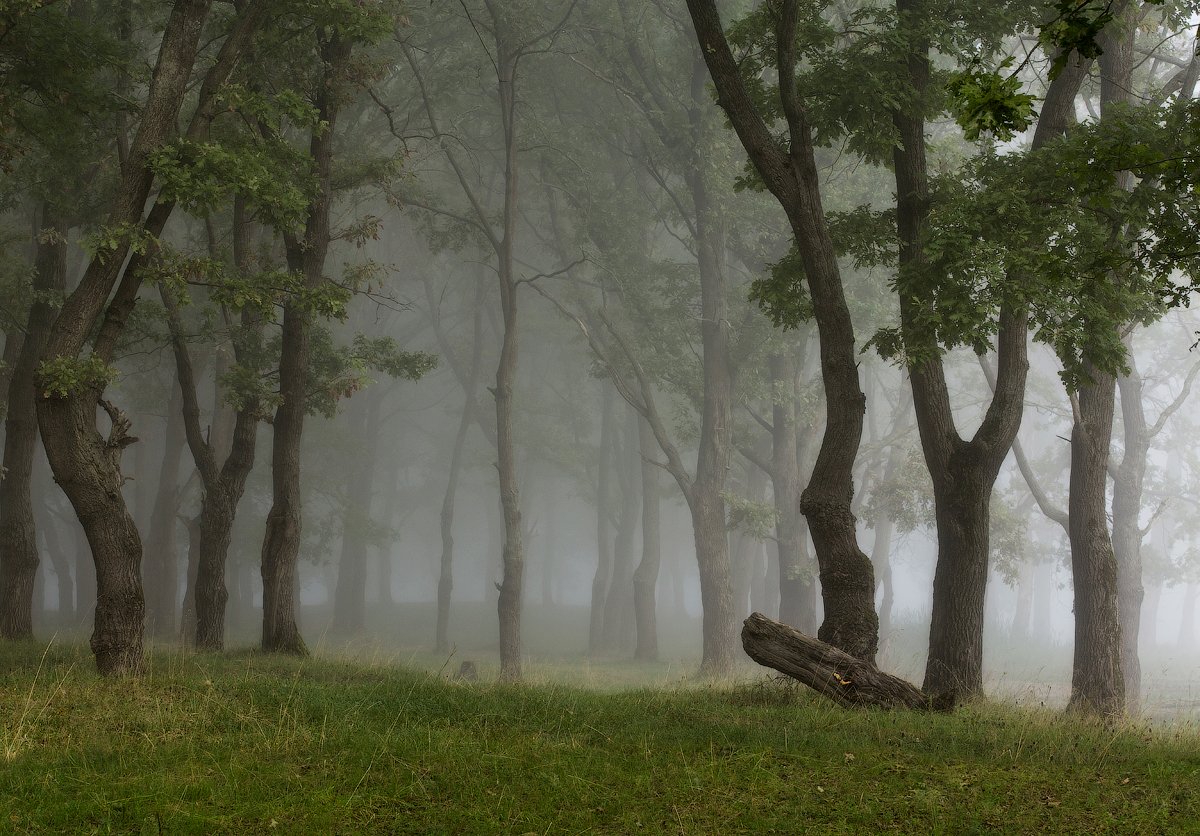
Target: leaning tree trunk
x=645, y=577
x=18, y=533
x=1096, y=682
x=845, y=679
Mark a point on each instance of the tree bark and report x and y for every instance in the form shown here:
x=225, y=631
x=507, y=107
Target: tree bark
x=1097, y=686
x=18, y=531
x=845, y=679
x=1126, y=531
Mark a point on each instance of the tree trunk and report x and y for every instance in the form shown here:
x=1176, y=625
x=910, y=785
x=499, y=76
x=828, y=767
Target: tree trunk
x=1020, y=630
x=1187, y=619
x=645, y=577
x=845, y=679
x=1126, y=529
x=446, y=564
x=604, y=551
x=18, y=532
x=62, y=573
x=349, y=613
x=618, y=602
x=1096, y=682
x=161, y=569
x=281, y=543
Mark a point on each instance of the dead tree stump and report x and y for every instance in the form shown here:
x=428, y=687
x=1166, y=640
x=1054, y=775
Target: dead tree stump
x=848, y=681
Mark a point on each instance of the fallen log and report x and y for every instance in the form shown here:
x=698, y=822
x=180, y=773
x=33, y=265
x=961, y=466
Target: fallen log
x=846, y=680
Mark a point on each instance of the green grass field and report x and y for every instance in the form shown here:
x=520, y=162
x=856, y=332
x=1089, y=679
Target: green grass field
x=248, y=744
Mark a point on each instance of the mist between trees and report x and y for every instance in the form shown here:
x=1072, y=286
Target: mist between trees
x=544, y=328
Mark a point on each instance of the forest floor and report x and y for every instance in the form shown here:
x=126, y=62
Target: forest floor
x=246, y=743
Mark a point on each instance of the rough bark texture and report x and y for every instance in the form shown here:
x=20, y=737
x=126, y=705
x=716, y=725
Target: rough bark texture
x=18, y=532
x=847, y=581
x=845, y=679
x=645, y=577
x=1096, y=683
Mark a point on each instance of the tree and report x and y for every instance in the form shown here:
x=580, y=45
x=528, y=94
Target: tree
x=788, y=170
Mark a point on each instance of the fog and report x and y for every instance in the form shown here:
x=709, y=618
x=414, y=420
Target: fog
x=566, y=345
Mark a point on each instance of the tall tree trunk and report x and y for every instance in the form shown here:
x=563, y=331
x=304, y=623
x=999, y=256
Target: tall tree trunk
x=64, y=580
x=604, y=545
x=1021, y=629
x=645, y=577
x=618, y=603
x=1096, y=682
x=161, y=569
x=18, y=532
x=1126, y=530
x=847, y=581
x=281, y=543
x=349, y=612
x=446, y=564
x=87, y=465
x=963, y=472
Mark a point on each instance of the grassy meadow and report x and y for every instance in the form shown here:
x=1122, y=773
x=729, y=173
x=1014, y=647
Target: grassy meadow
x=246, y=743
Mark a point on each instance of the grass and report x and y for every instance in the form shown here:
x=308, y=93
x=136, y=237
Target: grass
x=253, y=744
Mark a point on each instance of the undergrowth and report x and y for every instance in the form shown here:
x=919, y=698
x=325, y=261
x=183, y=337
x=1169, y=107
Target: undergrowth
x=247, y=743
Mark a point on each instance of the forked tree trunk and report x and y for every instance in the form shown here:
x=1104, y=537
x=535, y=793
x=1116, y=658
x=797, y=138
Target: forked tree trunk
x=18, y=532
x=845, y=679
